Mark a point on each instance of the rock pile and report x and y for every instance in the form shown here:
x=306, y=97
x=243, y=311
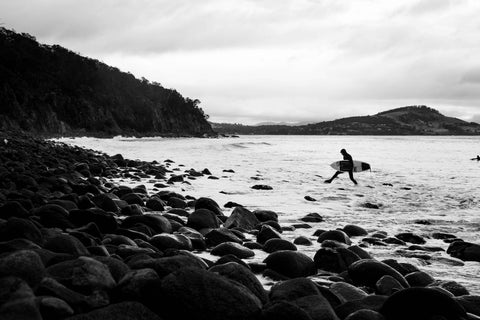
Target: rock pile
x=74, y=245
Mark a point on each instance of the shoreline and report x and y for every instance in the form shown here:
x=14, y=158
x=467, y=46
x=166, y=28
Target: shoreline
x=133, y=245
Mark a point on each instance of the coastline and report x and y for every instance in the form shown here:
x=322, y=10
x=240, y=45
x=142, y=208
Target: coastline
x=135, y=245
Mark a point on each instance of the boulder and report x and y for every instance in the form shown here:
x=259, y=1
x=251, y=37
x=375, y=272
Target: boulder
x=302, y=241
x=105, y=202
x=354, y=231
x=21, y=228
x=13, y=209
x=65, y=243
x=24, y=264
x=276, y=244
x=292, y=264
x=370, y=302
x=465, y=251
x=336, y=235
x=410, y=237
x=241, y=218
x=284, y=310
x=156, y=222
x=266, y=215
x=368, y=271
x=131, y=210
x=105, y=221
x=177, y=203
x=347, y=292
x=266, y=233
x=334, y=260
x=166, y=265
x=53, y=216
x=232, y=248
x=171, y=241
x=242, y=275
x=54, y=308
x=421, y=304
x=317, y=307
x=293, y=289
x=83, y=274
x=387, y=285
x=209, y=204
x=203, y=219
x=131, y=286
x=419, y=279
x=221, y=235
x=133, y=198
x=470, y=303
x=209, y=297
x=365, y=314
x=312, y=217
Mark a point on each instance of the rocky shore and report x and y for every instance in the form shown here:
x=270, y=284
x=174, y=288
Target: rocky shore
x=74, y=244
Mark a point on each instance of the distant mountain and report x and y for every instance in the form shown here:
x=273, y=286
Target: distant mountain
x=51, y=90
x=411, y=120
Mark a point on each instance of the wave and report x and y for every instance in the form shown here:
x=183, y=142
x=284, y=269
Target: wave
x=243, y=145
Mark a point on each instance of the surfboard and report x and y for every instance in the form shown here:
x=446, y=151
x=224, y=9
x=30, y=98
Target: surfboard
x=344, y=166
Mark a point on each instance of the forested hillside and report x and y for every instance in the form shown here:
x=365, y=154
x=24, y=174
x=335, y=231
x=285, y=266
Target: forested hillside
x=52, y=90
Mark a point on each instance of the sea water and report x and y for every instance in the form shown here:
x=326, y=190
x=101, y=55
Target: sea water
x=421, y=184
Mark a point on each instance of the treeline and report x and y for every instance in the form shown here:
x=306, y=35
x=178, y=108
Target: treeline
x=52, y=90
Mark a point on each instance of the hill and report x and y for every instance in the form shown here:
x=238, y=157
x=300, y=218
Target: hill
x=411, y=120
x=51, y=90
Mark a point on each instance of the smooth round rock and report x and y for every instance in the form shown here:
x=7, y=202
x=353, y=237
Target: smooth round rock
x=292, y=264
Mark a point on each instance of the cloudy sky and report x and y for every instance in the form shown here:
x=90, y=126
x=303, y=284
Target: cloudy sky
x=252, y=61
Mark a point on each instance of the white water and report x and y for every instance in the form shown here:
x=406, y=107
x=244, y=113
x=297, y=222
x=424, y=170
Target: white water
x=433, y=178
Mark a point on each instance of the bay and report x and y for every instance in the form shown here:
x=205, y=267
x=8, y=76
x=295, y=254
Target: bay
x=421, y=184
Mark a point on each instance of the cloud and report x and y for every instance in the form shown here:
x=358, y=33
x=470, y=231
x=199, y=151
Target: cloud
x=251, y=59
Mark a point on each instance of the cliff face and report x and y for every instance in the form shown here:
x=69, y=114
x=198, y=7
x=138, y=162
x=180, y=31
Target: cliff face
x=412, y=120
x=51, y=90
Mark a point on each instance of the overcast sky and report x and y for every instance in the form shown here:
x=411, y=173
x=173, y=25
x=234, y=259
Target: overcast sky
x=252, y=61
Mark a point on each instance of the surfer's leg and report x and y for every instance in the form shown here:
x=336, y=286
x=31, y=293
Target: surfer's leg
x=350, y=174
x=333, y=177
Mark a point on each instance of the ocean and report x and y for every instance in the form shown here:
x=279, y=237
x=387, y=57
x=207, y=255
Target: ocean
x=421, y=184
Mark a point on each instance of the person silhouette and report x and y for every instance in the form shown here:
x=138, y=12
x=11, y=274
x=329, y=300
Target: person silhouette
x=477, y=158
x=347, y=165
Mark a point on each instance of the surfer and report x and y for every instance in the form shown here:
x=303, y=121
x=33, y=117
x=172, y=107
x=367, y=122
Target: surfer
x=346, y=157
x=477, y=158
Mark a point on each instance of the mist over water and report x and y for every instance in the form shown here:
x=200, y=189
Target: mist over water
x=412, y=178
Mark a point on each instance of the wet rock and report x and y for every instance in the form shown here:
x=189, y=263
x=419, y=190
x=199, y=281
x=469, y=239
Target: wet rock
x=292, y=264
x=244, y=276
x=360, y=252
x=465, y=251
x=471, y=304
x=210, y=296
x=371, y=205
x=393, y=240
x=317, y=307
x=166, y=265
x=20, y=309
x=131, y=286
x=20, y=228
x=293, y=289
x=17, y=244
x=175, y=178
x=419, y=279
x=276, y=244
x=174, y=241
x=266, y=233
x=453, y=287
x=209, y=204
x=308, y=198
x=127, y=310
x=13, y=288
x=178, y=212
x=54, y=308
x=303, y=241
x=53, y=216
x=371, y=302
x=312, y=217
x=105, y=201
x=155, y=204
x=368, y=272
x=133, y=198
x=387, y=285
x=156, y=222
x=132, y=210
x=347, y=292
x=228, y=258
x=197, y=239
x=24, y=264
x=334, y=260
x=443, y=236
x=365, y=314
x=79, y=302
x=231, y=204
x=262, y=187
x=402, y=267
x=117, y=268
x=232, y=248
x=354, y=231
x=221, y=235
x=83, y=274
x=410, y=237
x=336, y=235
x=203, y=219
x=178, y=203
x=65, y=243
x=423, y=303
x=241, y=218
x=266, y=215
